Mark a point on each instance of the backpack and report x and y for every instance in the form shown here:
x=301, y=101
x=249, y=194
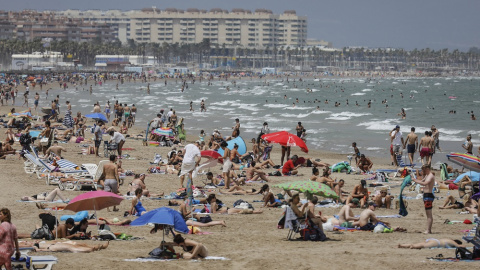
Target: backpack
x=25, y=139
x=42, y=233
x=160, y=253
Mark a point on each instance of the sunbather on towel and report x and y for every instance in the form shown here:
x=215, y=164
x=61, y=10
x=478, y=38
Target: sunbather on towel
x=368, y=220
x=192, y=249
x=213, y=207
x=46, y=197
x=346, y=218
x=68, y=246
x=237, y=190
x=202, y=221
x=452, y=203
x=383, y=199
x=434, y=243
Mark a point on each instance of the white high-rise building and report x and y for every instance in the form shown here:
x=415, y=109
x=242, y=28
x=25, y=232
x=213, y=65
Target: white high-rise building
x=234, y=28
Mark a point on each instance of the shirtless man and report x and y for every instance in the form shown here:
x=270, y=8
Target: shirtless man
x=359, y=193
x=435, y=136
x=411, y=144
x=340, y=192
x=427, y=182
x=6, y=150
x=35, y=102
x=424, y=149
x=253, y=173
x=346, y=218
x=55, y=149
x=468, y=145
x=299, y=129
x=368, y=220
x=364, y=163
x=236, y=129
x=110, y=174
x=62, y=230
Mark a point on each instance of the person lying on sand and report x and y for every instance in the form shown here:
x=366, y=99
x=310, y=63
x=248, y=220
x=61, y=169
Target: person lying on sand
x=213, y=207
x=192, y=249
x=46, y=197
x=201, y=221
x=434, y=243
x=68, y=246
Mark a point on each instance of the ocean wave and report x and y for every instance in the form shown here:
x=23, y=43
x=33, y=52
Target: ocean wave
x=386, y=124
x=345, y=115
x=357, y=94
x=366, y=90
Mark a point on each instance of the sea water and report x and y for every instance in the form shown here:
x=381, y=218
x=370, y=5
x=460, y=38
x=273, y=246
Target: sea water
x=427, y=102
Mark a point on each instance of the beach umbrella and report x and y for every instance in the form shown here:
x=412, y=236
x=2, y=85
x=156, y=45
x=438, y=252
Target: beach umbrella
x=468, y=161
x=286, y=139
x=242, y=147
x=97, y=117
x=23, y=115
x=310, y=188
x=474, y=176
x=94, y=200
x=167, y=132
x=163, y=216
x=210, y=154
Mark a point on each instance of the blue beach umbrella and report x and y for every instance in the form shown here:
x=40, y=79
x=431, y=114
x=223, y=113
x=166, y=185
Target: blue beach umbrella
x=97, y=116
x=474, y=176
x=163, y=216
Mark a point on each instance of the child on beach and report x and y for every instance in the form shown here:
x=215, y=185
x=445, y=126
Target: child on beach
x=202, y=135
x=357, y=152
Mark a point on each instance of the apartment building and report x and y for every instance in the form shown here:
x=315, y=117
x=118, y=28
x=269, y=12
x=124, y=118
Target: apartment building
x=235, y=28
x=29, y=25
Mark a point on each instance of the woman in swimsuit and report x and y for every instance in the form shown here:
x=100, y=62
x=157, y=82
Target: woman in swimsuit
x=227, y=164
x=68, y=246
x=434, y=243
x=137, y=208
x=192, y=249
x=213, y=207
x=45, y=197
x=107, y=110
x=189, y=215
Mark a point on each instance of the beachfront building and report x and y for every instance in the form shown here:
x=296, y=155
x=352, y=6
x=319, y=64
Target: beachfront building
x=29, y=25
x=39, y=61
x=120, y=62
x=236, y=29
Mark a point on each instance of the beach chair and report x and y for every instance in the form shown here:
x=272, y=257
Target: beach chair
x=34, y=262
x=293, y=223
x=86, y=180
x=31, y=165
x=109, y=149
x=400, y=161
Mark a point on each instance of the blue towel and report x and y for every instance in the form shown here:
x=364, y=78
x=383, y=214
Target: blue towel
x=403, y=210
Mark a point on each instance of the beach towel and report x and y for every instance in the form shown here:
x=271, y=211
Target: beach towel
x=140, y=259
x=289, y=217
x=403, y=210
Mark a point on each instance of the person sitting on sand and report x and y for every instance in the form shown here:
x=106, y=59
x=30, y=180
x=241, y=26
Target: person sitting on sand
x=124, y=128
x=139, y=182
x=309, y=209
x=452, y=203
x=192, y=249
x=46, y=197
x=137, y=208
x=254, y=173
x=324, y=179
x=269, y=199
x=434, y=243
x=289, y=167
x=213, y=207
x=6, y=150
x=346, y=218
x=201, y=221
x=368, y=220
x=364, y=163
x=383, y=199
x=68, y=246
x=359, y=193
x=341, y=194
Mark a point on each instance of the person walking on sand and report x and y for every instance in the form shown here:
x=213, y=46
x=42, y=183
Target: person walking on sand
x=110, y=174
x=411, y=144
x=8, y=239
x=191, y=159
x=436, y=140
x=397, y=142
x=427, y=182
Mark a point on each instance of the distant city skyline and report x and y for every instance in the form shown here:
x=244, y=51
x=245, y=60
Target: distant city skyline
x=408, y=24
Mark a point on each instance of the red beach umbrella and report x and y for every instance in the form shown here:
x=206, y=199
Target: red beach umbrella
x=286, y=139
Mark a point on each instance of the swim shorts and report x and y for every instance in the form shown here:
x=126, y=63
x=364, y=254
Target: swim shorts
x=396, y=148
x=452, y=186
x=368, y=227
x=97, y=143
x=309, y=163
x=428, y=200
x=411, y=148
x=111, y=185
x=347, y=224
x=424, y=152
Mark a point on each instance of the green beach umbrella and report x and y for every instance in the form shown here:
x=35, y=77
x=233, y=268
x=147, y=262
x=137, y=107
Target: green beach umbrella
x=310, y=188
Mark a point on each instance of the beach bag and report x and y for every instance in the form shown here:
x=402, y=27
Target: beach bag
x=42, y=233
x=161, y=253
x=312, y=234
x=25, y=139
x=106, y=235
x=205, y=219
x=44, y=141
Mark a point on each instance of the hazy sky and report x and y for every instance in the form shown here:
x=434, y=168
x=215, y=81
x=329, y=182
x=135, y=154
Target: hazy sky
x=408, y=24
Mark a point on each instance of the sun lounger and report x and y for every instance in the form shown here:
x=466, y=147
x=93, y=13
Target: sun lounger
x=34, y=262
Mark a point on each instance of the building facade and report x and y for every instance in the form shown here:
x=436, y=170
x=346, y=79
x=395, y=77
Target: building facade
x=29, y=25
x=234, y=28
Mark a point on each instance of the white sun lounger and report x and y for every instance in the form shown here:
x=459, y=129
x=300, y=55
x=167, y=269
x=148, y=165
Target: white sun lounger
x=37, y=262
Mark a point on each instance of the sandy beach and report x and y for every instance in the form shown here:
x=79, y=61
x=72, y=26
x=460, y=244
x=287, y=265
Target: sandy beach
x=248, y=241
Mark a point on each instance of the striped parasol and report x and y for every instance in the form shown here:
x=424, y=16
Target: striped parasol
x=468, y=161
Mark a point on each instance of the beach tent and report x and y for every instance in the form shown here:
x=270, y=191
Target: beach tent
x=242, y=147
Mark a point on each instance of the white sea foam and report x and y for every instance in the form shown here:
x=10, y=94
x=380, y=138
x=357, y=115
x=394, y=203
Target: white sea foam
x=357, y=94
x=345, y=115
x=437, y=83
x=376, y=124
x=366, y=90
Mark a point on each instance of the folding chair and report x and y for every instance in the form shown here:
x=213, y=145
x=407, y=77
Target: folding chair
x=109, y=149
x=293, y=223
